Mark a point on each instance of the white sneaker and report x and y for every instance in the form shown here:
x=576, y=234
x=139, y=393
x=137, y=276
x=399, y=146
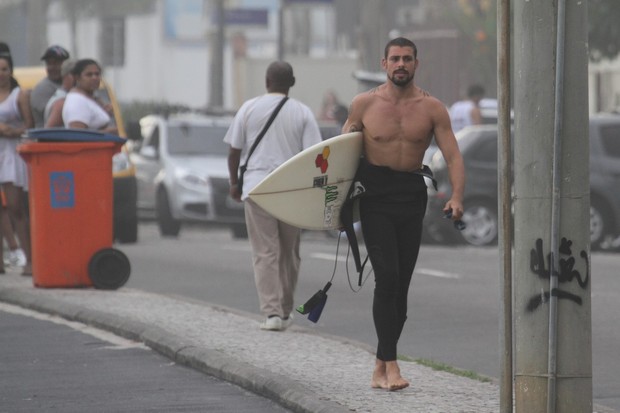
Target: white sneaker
x=17, y=258
x=286, y=322
x=272, y=324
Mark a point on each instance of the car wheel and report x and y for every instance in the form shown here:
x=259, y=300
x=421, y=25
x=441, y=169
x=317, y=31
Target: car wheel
x=239, y=231
x=599, y=227
x=437, y=234
x=126, y=230
x=168, y=226
x=482, y=224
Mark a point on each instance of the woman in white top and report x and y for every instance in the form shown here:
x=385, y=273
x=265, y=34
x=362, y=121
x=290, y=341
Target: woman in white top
x=82, y=110
x=15, y=118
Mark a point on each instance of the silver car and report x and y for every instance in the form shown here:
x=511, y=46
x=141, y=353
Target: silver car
x=182, y=172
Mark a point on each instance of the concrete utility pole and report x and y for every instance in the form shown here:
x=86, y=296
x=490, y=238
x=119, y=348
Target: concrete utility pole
x=216, y=46
x=552, y=306
x=505, y=203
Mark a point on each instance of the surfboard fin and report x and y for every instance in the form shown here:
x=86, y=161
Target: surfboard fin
x=314, y=306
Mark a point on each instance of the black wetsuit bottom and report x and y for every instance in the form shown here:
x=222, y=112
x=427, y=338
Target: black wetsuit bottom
x=391, y=212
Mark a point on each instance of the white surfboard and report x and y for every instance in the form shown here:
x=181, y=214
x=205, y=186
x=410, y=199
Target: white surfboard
x=308, y=190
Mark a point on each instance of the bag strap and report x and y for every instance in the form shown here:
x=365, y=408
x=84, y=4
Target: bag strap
x=262, y=133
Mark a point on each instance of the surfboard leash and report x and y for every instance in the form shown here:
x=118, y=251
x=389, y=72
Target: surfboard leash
x=362, y=279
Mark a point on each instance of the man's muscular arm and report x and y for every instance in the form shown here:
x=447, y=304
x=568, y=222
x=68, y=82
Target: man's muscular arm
x=450, y=150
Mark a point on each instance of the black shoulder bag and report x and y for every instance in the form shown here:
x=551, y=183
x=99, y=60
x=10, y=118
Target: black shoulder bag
x=243, y=167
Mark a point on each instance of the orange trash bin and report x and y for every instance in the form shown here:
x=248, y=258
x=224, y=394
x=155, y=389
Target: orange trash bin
x=71, y=206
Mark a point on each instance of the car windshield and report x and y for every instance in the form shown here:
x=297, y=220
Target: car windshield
x=186, y=139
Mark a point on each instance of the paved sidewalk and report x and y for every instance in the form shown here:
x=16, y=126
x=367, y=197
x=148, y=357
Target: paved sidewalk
x=302, y=370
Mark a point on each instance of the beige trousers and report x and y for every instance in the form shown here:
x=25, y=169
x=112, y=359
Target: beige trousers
x=275, y=249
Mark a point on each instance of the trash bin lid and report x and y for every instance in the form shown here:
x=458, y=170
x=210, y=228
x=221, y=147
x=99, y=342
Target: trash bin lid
x=72, y=135
x=109, y=269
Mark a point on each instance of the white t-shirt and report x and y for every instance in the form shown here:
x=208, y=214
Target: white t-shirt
x=293, y=130
x=81, y=108
x=460, y=114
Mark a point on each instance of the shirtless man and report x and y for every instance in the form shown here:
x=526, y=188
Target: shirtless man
x=398, y=121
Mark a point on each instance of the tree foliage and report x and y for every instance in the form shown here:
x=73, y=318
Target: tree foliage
x=603, y=29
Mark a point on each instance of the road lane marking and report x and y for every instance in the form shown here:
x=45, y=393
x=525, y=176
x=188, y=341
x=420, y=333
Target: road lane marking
x=118, y=342
x=438, y=274
x=421, y=271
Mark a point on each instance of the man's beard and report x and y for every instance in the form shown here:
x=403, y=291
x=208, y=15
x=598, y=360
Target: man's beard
x=401, y=81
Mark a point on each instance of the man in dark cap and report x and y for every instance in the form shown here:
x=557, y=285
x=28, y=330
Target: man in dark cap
x=53, y=57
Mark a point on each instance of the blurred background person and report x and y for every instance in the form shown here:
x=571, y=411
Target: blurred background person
x=275, y=244
x=15, y=256
x=332, y=109
x=52, y=115
x=82, y=109
x=15, y=119
x=467, y=112
x=43, y=91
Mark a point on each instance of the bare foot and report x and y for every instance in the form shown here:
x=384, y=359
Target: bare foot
x=394, y=380
x=379, y=377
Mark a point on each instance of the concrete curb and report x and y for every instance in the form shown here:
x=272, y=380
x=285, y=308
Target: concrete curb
x=212, y=362
x=332, y=375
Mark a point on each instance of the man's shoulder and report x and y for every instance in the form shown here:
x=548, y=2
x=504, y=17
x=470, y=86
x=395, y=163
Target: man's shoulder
x=300, y=104
x=44, y=86
x=367, y=97
x=432, y=100
x=44, y=83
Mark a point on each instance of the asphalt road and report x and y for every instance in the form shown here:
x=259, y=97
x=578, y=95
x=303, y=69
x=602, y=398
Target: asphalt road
x=454, y=299
x=49, y=364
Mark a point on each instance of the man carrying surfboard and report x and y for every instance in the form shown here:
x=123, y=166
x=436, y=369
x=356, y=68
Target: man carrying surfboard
x=398, y=121
x=282, y=127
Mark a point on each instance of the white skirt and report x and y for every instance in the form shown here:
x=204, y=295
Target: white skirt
x=13, y=168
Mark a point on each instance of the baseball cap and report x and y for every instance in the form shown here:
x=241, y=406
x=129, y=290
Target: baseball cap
x=67, y=67
x=55, y=51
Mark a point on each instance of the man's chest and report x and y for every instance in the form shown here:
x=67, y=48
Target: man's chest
x=389, y=122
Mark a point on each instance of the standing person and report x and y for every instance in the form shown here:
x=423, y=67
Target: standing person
x=52, y=116
x=16, y=256
x=43, y=91
x=398, y=121
x=467, y=112
x=82, y=109
x=275, y=244
x=332, y=109
x=15, y=118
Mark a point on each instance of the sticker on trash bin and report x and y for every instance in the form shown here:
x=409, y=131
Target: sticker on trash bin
x=62, y=189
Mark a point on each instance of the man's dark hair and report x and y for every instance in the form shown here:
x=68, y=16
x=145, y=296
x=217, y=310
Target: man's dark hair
x=81, y=64
x=475, y=91
x=280, y=76
x=401, y=42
